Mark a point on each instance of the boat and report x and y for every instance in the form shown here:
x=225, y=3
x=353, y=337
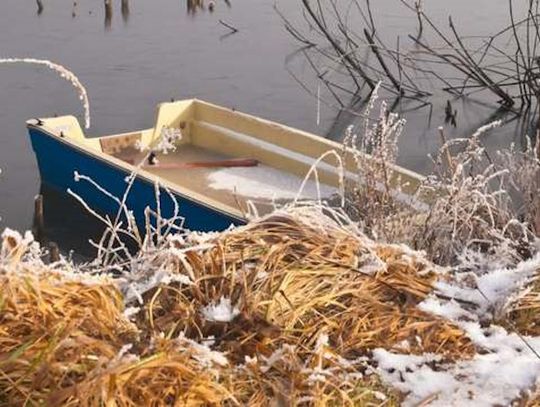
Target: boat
x=215, y=164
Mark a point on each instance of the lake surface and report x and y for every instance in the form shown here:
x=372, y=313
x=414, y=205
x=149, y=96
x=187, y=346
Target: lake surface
x=161, y=50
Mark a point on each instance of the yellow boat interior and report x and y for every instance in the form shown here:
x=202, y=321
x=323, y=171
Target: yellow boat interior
x=222, y=157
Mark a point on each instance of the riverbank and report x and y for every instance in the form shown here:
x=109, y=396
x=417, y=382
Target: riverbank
x=298, y=307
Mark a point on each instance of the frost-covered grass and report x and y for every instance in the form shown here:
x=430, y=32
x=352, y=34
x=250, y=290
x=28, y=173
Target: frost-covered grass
x=478, y=202
x=232, y=318
x=298, y=307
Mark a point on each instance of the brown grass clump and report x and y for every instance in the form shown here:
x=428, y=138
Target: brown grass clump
x=53, y=333
x=317, y=378
x=61, y=343
x=523, y=311
x=175, y=373
x=293, y=280
x=310, y=298
x=533, y=401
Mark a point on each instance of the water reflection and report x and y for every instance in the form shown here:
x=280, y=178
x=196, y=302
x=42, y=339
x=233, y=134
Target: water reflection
x=39, y=7
x=194, y=5
x=108, y=14
x=68, y=225
x=125, y=10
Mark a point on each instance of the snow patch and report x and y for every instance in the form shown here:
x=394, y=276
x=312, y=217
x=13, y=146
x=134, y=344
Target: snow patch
x=450, y=310
x=264, y=182
x=506, y=365
x=224, y=311
x=500, y=375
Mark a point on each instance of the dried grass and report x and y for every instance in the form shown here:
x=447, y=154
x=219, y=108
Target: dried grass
x=292, y=280
x=314, y=296
x=53, y=333
x=170, y=375
x=522, y=312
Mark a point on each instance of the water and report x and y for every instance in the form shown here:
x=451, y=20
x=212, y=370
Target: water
x=160, y=50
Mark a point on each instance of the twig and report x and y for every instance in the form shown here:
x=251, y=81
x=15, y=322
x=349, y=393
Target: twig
x=230, y=27
x=338, y=47
x=389, y=74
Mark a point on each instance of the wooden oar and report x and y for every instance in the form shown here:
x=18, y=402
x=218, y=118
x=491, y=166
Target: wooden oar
x=236, y=162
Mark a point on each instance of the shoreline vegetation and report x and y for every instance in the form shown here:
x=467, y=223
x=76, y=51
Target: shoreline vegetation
x=367, y=302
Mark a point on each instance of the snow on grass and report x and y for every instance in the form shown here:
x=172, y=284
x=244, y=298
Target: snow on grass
x=223, y=311
x=133, y=285
x=506, y=365
x=411, y=374
x=448, y=309
x=264, y=182
x=501, y=373
x=490, y=290
x=13, y=241
x=202, y=352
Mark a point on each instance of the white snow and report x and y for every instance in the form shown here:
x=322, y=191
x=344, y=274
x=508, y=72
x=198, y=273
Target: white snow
x=276, y=356
x=322, y=343
x=411, y=374
x=131, y=312
x=387, y=360
x=202, y=352
x=505, y=366
x=449, y=310
x=224, y=311
x=491, y=289
x=11, y=240
x=505, y=369
x=266, y=183
x=135, y=283
x=379, y=396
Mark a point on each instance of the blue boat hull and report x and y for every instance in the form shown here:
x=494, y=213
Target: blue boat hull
x=58, y=162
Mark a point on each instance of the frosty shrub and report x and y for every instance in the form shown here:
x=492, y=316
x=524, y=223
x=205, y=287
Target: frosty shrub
x=474, y=201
